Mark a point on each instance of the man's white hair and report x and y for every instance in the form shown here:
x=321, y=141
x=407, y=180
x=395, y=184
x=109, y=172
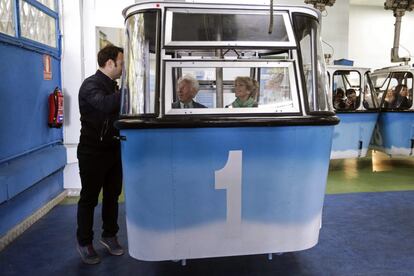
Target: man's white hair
x=191, y=80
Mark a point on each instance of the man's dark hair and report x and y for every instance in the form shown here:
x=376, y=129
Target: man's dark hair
x=107, y=53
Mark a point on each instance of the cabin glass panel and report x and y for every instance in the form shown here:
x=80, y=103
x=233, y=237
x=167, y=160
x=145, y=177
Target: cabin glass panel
x=276, y=92
x=214, y=27
x=370, y=95
x=139, y=79
x=346, y=90
x=315, y=78
x=395, y=90
x=37, y=25
x=7, y=25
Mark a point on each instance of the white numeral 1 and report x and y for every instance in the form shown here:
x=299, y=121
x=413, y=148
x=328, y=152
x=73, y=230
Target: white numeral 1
x=230, y=178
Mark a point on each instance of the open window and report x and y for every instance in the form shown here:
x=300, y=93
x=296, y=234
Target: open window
x=346, y=90
x=395, y=90
x=276, y=86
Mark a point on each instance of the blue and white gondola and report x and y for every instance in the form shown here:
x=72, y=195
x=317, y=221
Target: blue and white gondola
x=394, y=133
x=353, y=134
x=222, y=181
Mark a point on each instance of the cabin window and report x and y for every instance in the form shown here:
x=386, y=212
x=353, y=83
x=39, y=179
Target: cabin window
x=346, y=90
x=370, y=96
x=139, y=84
x=395, y=90
x=313, y=63
x=7, y=25
x=218, y=83
x=226, y=28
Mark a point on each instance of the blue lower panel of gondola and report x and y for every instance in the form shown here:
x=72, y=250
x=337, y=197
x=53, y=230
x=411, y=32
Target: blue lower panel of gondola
x=394, y=133
x=208, y=192
x=353, y=134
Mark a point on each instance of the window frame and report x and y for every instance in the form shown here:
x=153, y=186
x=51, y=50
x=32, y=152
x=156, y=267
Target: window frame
x=390, y=75
x=169, y=64
x=28, y=43
x=373, y=92
x=343, y=78
x=169, y=43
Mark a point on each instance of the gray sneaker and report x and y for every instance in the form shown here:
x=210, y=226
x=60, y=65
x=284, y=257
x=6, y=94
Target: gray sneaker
x=88, y=254
x=111, y=243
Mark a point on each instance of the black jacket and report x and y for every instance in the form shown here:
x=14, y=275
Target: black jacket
x=99, y=104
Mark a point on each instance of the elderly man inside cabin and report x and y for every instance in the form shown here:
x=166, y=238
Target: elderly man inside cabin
x=187, y=89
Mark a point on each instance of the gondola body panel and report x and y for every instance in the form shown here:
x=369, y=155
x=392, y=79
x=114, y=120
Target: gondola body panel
x=216, y=176
x=394, y=133
x=352, y=136
x=271, y=200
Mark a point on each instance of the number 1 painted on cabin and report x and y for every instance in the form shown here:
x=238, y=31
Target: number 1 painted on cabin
x=230, y=179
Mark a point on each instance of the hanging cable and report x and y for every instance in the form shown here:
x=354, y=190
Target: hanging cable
x=408, y=51
x=332, y=48
x=271, y=17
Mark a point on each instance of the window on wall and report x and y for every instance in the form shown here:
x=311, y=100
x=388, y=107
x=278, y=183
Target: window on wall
x=48, y=3
x=37, y=21
x=7, y=17
x=37, y=25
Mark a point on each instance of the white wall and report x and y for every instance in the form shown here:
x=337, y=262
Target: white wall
x=371, y=36
x=72, y=76
x=335, y=24
x=80, y=19
x=335, y=21
x=71, y=67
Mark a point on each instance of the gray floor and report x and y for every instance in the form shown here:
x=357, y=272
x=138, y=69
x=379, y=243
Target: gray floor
x=362, y=234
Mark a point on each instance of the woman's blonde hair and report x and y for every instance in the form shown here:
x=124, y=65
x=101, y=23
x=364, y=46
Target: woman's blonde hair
x=251, y=85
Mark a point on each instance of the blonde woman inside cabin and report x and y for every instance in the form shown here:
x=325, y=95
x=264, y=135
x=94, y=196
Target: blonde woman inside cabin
x=245, y=89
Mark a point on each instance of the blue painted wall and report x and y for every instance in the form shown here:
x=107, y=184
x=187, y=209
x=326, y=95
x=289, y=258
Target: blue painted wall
x=23, y=101
x=32, y=155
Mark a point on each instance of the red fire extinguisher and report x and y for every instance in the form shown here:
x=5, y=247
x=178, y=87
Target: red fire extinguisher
x=56, y=109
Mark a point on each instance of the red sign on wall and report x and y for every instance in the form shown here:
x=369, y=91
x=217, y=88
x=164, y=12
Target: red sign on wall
x=47, y=67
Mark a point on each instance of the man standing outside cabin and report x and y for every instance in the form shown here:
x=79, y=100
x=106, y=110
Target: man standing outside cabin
x=99, y=155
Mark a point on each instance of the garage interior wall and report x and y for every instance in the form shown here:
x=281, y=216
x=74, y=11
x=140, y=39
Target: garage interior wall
x=358, y=32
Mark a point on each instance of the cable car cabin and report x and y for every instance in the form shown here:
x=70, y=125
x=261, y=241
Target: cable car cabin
x=226, y=137
x=354, y=100
x=394, y=133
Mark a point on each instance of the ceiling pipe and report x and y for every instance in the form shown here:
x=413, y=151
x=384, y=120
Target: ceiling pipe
x=399, y=7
